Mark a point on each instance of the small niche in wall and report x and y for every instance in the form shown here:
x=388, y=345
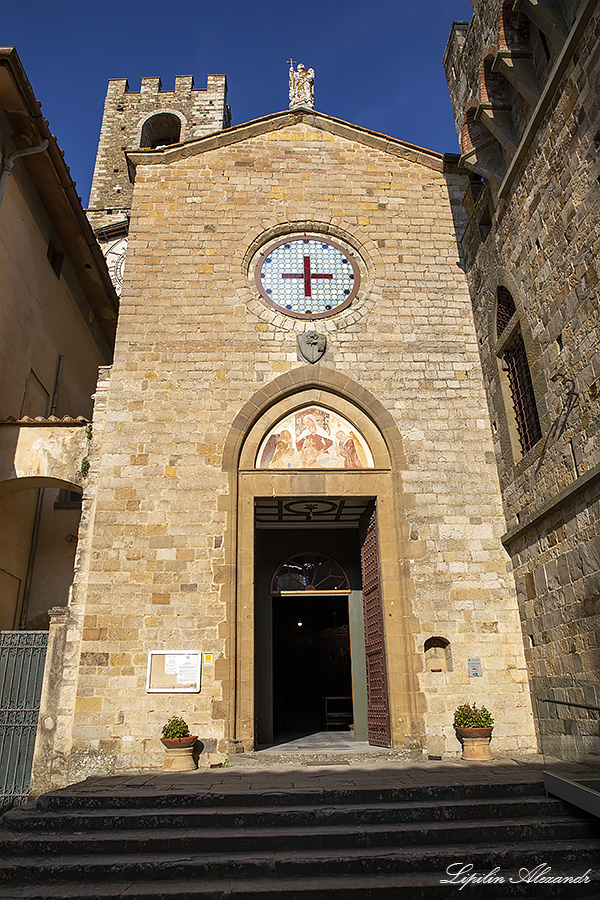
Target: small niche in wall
x=438, y=655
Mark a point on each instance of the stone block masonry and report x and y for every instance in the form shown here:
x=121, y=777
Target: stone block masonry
x=197, y=351
x=533, y=231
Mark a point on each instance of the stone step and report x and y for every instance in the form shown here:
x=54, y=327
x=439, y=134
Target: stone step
x=269, y=758
x=192, y=796
x=298, y=864
x=20, y=819
x=250, y=837
x=367, y=887
x=318, y=836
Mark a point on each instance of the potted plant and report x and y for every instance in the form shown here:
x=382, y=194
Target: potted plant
x=474, y=728
x=179, y=745
x=177, y=734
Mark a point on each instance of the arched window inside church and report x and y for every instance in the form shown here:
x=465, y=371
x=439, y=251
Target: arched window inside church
x=310, y=573
x=438, y=656
x=160, y=131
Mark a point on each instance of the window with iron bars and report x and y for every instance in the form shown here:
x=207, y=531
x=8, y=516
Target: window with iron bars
x=521, y=387
x=505, y=309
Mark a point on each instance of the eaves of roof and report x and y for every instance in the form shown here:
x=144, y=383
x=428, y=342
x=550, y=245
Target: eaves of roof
x=45, y=420
x=276, y=121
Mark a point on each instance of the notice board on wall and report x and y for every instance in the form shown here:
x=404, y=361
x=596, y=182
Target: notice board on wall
x=174, y=672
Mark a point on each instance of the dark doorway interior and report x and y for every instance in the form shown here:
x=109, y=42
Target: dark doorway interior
x=278, y=644
x=312, y=680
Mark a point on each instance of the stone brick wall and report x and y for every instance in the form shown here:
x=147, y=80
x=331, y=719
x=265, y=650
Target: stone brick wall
x=542, y=245
x=195, y=349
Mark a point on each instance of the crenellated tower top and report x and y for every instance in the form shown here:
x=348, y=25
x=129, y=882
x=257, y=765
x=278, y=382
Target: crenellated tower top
x=149, y=118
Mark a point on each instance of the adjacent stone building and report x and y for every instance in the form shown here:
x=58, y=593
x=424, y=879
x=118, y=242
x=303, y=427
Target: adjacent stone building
x=292, y=475
x=523, y=79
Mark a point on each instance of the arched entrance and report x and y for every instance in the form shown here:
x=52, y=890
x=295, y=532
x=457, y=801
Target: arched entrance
x=334, y=499
x=41, y=484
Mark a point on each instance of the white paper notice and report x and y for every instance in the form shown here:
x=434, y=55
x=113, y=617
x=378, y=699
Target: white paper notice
x=188, y=669
x=171, y=664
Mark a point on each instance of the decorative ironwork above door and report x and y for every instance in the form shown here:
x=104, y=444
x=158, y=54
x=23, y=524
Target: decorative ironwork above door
x=309, y=573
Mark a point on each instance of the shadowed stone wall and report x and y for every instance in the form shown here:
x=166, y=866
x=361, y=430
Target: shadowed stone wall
x=533, y=230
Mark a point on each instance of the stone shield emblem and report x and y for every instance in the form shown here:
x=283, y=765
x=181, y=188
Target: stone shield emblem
x=312, y=346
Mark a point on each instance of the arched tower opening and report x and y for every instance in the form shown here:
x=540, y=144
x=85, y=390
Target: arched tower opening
x=160, y=130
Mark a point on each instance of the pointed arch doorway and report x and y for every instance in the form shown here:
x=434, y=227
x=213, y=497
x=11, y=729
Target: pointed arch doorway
x=272, y=479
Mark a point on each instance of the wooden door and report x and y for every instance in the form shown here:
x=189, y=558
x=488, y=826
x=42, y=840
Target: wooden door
x=378, y=714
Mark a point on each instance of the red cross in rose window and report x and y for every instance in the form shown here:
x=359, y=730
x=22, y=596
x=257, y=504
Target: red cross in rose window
x=307, y=275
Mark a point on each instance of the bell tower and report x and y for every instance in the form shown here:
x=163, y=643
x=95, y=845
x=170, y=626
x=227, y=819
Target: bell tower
x=148, y=118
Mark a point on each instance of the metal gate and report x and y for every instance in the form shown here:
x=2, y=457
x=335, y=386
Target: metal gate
x=22, y=657
x=378, y=716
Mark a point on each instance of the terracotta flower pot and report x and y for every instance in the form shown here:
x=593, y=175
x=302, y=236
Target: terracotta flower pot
x=179, y=754
x=179, y=743
x=475, y=743
x=474, y=732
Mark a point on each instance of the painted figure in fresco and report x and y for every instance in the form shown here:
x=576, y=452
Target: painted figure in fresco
x=268, y=452
x=347, y=450
x=284, y=456
x=314, y=438
x=312, y=443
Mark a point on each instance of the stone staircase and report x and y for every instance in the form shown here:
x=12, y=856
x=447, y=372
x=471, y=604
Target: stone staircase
x=243, y=842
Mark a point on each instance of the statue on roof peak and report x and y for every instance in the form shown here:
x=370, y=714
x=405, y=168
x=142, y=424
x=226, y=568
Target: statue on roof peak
x=302, y=87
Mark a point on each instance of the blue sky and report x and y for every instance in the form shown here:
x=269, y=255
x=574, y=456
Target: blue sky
x=376, y=64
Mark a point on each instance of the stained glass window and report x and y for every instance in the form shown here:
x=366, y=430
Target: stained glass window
x=307, y=276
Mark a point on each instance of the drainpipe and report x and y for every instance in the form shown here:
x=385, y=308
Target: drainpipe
x=9, y=161
x=59, y=367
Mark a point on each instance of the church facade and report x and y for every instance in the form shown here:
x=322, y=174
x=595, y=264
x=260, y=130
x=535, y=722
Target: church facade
x=292, y=512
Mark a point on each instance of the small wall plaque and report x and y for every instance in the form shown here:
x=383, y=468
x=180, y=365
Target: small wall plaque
x=173, y=672
x=474, y=664
x=312, y=345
